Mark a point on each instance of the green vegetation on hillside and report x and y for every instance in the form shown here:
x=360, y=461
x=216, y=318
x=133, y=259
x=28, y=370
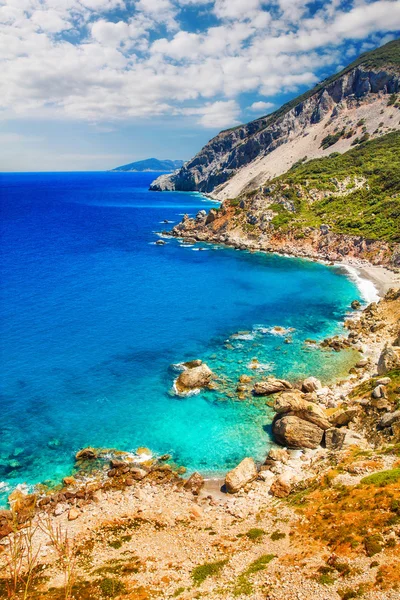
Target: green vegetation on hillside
x=372, y=210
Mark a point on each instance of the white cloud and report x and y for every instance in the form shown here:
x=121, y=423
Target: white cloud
x=218, y=114
x=73, y=59
x=260, y=106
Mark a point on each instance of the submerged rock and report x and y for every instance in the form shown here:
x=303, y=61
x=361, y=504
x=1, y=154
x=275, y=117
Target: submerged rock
x=293, y=432
x=271, y=386
x=244, y=473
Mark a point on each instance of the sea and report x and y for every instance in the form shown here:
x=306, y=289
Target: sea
x=94, y=314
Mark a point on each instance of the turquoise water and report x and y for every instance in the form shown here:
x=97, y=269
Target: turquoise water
x=93, y=314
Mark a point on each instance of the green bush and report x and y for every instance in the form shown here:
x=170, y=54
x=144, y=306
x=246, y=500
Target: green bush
x=200, y=573
x=382, y=478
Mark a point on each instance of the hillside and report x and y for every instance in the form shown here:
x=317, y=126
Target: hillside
x=244, y=157
x=343, y=205
x=151, y=164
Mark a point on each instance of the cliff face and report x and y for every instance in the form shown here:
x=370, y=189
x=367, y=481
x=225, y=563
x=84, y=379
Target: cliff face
x=246, y=156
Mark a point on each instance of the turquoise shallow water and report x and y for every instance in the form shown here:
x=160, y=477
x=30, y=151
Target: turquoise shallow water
x=93, y=314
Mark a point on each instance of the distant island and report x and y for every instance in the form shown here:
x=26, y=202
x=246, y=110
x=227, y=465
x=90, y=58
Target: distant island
x=151, y=164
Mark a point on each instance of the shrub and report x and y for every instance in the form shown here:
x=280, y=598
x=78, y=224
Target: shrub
x=373, y=544
x=111, y=587
x=200, y=573
x=382, y=478
x=277, y=535
x=255, y=534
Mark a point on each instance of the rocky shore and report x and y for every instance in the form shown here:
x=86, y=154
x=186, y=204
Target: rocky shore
x=320, y=518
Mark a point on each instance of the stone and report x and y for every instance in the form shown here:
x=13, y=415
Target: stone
x=86, y=454
x=383, y=381
x=295, y=404
x=338, y=439
x=388, y=360
x=244, y=473
x=271, y=386
x=281, y=487
x=355, y=304
x=361, y=363
x=138, y=474
x=73, y=514
x=193, y=378
x=160, y=243
x=278, y=454
x=388, y=419
x=194, y=483
x=117, y=464
x=343, y=416
x=69, y=481
x=293, y=432
x=379, y=392
x=165, y=457
x=60, y=509
x=311, y=384
x=23, y=505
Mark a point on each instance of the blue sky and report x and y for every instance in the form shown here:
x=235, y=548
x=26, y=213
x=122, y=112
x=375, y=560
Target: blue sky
x=92, y=84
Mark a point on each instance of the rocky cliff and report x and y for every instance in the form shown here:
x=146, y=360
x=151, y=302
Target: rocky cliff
x=245, y=157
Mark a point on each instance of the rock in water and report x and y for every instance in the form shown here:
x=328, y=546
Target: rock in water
x=271, y=386
x=194, y=483
x=86, y=454
x=241, y=475
x=193, y=378
x=388, y=360
x=293, y=432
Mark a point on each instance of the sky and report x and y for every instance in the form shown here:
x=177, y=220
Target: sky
x=93, y=84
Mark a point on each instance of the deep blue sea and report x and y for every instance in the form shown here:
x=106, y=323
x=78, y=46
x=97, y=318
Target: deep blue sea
x=93, y=314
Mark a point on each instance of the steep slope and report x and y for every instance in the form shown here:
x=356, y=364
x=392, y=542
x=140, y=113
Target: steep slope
x=151, y=164
x=246, y=156
x=343, y=205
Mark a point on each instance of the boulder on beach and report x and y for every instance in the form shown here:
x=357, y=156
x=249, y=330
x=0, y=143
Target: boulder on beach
x=293, y=432
x=194, y=483
x=294, y=403
x=271, y=386
x=193, y=378
x=244, y=473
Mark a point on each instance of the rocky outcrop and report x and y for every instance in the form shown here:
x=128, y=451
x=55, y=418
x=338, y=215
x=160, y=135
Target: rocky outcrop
x=294, y=403
x=244, y=473
x=271, y=386
x=293, y=432
x=194, y=377
x=389, y=359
